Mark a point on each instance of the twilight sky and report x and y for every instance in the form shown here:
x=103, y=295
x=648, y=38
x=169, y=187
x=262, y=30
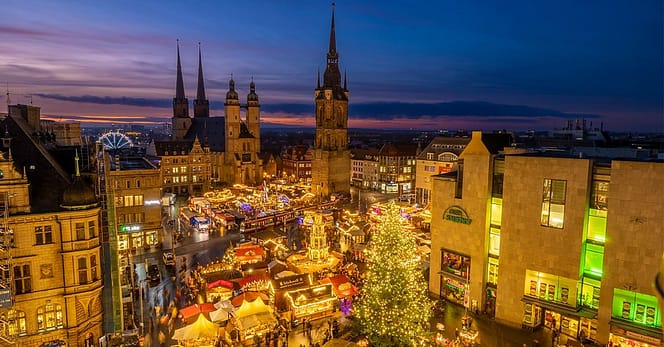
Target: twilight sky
x=443, y=64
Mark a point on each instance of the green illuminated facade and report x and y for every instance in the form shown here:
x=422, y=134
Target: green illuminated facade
x=577, y=241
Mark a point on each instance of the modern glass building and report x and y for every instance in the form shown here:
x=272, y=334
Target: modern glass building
x=541, y=240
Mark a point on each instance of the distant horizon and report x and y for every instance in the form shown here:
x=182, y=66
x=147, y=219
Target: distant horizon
x=431, y=64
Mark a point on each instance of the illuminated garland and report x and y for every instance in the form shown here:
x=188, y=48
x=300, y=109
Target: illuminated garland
x=394, y=309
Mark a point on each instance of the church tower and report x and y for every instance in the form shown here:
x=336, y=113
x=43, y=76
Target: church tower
x=181, y=121
x=201, y=104
x=330, y=167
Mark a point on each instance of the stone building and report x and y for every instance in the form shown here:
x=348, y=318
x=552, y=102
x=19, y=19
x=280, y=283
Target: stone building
x=544, y=241
x=364, y=168
x=330, y=167
x=50, y=288
x=296, y=161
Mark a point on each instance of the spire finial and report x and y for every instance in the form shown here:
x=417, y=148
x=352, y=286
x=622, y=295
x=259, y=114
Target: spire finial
x=78, y=172
x=179, y=84
x=200, y=93
x=345, y=81
x=9, y=101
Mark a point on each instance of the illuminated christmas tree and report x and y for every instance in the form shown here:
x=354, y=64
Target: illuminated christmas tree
x=230, y=260
x=394, y=309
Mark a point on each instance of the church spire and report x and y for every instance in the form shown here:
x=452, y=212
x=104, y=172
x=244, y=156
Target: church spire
x=332, y=76
x=333, y=38
x=200, y=93
x=179, y=86
x=201, y=104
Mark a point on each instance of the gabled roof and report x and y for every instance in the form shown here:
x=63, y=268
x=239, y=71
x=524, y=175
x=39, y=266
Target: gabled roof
x=173, y=147
x=211, y=132
x=441, y=144
x=497, y=142
x=398, y=150
x=47, y=178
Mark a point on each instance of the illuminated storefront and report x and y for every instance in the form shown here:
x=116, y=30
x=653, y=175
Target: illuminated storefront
x=454, y=276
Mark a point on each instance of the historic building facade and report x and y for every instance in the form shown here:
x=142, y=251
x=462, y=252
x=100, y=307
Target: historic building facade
x=50, y=286
x=439, y=156
x=330, y=166
x=551, y=241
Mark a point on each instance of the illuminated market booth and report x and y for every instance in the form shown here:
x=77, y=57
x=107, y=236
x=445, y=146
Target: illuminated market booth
x=253, y=318
x=314, y=302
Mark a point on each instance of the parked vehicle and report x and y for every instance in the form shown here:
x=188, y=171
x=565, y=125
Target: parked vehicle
x=169, y=258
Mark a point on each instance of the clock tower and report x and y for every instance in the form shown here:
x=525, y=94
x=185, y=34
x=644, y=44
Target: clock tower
x=330, y=166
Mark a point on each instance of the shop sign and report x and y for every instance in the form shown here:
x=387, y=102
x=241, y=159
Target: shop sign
x=635, y=335
x=130, y=228
x=293, y=281
x=457, y=214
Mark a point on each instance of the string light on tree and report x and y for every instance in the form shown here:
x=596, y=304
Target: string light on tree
x=394, y=309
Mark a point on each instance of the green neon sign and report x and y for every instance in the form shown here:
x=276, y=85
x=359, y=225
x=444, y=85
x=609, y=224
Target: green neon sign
x=457, y=214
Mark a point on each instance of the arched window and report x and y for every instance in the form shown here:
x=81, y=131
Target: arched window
x=16, y=325
x=49, y=317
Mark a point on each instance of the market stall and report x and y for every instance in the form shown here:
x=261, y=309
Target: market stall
x=254, y=317
x=312, y=302
x=200, y=333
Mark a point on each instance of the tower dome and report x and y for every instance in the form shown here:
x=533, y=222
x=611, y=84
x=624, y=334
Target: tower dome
x=78, y=196
x=231, y=94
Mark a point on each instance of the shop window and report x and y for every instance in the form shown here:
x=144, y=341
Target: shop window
x=82, y=271
x=494, y=241
x=455, y=263
x=496, y=211
x=49, y=317
x=636, y=307
x=92, y=229
x=590, y=293
x=548, y=287
x=16, y=325
x=80, y=231
x=43, y=235
x=22, y=279
x=553, y=203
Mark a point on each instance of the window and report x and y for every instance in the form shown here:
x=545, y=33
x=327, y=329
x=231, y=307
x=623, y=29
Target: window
x=497, y=179
x=494, y=241
x=138, y=183
x=80, y=231
x=16, y=325
x=492, y=275
x=22, y=281
x=183, y=169
x=82, y=271
x=49, y=317
x=91, y=229
x=553, y=203
x=93, y=267
x=458, y=191
x=119, y=201
x=43, y=235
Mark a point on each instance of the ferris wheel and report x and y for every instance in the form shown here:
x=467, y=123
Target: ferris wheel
x=115, y=140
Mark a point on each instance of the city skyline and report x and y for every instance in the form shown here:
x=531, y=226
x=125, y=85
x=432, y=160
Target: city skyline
x=429, y=65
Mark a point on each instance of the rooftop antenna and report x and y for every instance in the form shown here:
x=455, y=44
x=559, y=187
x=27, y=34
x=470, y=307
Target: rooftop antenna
x=9, y=101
